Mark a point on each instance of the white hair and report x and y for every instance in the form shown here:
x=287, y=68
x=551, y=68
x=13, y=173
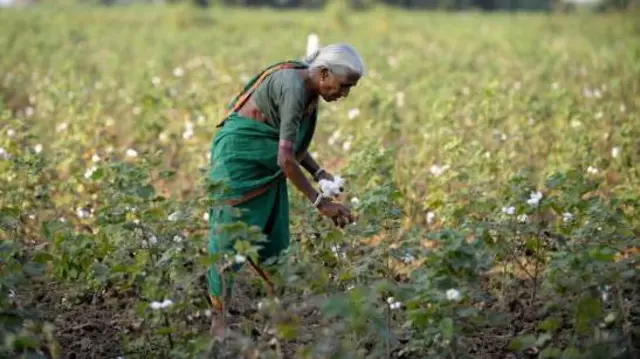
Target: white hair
x=341, y=59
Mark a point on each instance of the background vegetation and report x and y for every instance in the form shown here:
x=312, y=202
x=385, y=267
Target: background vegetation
x=492, y=160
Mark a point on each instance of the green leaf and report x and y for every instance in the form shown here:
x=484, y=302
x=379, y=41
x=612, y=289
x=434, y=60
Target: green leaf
x=446, y=328
x=549, y=324
x=588, y=310
x=34, y=269
x=522, y=342
x=543, y=339
x=165, y=331
x=98, y=174
x=287, y=331
x=42, y=257
x=100, y=271
x=571, y=353
x=49, y=228
x=551, y=353
x=146, y=192
x=337, y=306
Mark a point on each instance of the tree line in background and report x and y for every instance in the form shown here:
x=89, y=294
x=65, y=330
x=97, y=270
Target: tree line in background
x=487, y=5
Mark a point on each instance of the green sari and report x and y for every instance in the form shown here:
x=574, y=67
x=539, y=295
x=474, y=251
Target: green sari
x=244, y=158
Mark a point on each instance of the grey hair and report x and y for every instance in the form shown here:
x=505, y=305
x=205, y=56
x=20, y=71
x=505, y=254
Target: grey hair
x=342, y=59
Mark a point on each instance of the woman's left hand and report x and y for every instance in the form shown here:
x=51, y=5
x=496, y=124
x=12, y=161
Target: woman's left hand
x=324, y=175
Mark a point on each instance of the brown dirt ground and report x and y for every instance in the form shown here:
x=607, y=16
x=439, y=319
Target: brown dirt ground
x=93, y=326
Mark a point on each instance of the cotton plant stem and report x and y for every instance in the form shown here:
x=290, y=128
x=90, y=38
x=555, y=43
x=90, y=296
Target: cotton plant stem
x=265, y=277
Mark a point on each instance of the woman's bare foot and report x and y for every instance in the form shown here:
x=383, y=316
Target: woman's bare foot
x=218, y=327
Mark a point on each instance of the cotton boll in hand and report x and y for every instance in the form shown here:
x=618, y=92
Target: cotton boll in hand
x=332, y=188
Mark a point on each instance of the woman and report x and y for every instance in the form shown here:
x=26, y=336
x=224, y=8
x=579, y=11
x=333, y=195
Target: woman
x=264, y=141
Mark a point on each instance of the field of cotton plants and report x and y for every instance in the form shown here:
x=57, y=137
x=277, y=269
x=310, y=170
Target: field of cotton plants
x=492, y=161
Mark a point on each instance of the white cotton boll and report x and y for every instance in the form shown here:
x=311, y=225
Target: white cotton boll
x=95, y=158
x=153, y=239
x=187, y=134
x=61, y=127
x=353, y=113
x=346, y=146
x=82, y=213
x=161, y=305
x=178, y=72
x=313, y=43
x=38, y=148
x=453, y=294
x=534, y=198
x=592, y=170
x=167, y=303
x=605, y=293
x=335, y=136
x=437, y=170
x=177, y=239
x=205, y=216
x=408, y=258
x=391, y=300
x=355, y=201
x=509, y=210
x=567, y=217
x=155, y=81
x=132, y=153
x=392, y=61
x=400, y=99
x=615, y=152
x=90, y=171
x=4, y=155
x=523, y=218
x=11, y=133
x=332, y=188
x=240, y=258
x=174, y=216
x=29, y=111
x=575, y=123
x=431, y=216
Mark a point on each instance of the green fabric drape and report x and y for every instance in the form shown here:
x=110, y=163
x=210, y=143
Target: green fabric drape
x=244, y=158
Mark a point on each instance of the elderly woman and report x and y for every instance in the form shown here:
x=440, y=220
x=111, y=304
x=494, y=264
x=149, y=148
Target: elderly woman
x=264, y=141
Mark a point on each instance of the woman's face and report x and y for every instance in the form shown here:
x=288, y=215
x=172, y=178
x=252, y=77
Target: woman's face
x=332, y=87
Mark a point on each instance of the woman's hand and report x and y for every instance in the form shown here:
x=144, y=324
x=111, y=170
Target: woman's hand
x=340, y=214
x=324, y=175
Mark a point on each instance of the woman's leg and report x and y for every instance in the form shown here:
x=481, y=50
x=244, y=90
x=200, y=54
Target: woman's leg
x=255, y=212
x=277, y=231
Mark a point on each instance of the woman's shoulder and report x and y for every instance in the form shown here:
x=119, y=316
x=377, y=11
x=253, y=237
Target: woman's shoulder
x=287, y=78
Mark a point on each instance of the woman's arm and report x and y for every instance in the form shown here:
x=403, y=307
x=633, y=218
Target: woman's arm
x=309, y=163
x=291, y=168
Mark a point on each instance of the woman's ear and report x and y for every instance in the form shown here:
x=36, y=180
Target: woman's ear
x=324, y=74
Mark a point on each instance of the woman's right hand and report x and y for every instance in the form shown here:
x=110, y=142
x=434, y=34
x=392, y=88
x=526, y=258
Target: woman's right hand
x=340, y=214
